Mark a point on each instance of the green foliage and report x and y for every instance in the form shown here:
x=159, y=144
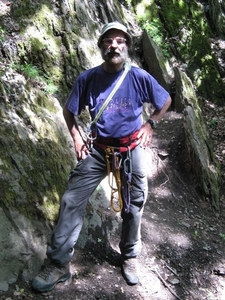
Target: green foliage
x=148, y=19
x=51, y=88
x=155, y=30
x=213, y=122
x=26, y=9
x=183, y=24
x=28, y=70
x=174, y=14
x=32, y=72
x=222, y=235
x=196, y=233
x=188, y=28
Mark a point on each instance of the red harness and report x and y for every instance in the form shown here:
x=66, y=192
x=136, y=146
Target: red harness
x=121, y=144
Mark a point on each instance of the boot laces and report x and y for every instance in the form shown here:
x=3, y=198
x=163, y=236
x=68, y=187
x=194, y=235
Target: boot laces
x=48, y=270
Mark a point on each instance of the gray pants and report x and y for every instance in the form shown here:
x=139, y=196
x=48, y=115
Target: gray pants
x=83, y=181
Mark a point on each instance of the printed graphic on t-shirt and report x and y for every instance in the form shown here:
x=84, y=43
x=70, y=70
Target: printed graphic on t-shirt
x=119, y=104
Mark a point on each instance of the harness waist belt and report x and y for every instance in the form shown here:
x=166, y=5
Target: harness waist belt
x=120, y=143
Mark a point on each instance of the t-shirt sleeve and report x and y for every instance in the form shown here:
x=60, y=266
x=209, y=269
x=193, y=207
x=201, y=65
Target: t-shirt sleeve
x=75, y=102
x=77, y=99
x=158, y=95
x=152, y=92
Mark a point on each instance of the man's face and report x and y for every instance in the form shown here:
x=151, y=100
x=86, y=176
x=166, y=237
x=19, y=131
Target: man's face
x=114, y=48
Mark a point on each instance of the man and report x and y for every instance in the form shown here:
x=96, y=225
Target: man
x=118, y=134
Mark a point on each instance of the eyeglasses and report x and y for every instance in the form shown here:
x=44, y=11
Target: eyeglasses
x=109, y=41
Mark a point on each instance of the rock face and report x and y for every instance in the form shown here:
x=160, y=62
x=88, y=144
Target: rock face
x=44, y=46
x=199, y=153
x=216, y=10
x=198, y=148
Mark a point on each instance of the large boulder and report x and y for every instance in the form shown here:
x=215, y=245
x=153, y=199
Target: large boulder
x=199, y=151
x=155, y=63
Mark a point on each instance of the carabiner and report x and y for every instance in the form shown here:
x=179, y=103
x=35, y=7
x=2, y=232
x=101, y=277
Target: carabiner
x=117, y=160
x=92, y=134
x=127, y=164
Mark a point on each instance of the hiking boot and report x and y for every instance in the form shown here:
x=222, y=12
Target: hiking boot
x=50, y=276
x=130, y=270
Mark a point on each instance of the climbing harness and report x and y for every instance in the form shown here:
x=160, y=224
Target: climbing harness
x=119, y=165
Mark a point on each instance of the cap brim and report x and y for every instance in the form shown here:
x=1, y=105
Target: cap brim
x=117, y=26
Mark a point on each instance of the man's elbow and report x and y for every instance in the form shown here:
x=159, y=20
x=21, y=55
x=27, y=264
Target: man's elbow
x=168, y=101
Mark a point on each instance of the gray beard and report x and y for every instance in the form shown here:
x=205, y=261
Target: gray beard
x=118, y=58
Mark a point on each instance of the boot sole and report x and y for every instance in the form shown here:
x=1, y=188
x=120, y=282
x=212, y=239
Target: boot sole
x=50, y=287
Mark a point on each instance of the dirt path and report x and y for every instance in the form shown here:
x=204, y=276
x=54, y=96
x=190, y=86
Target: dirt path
x=183, y=241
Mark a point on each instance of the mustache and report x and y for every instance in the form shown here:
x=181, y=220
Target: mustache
x=110, y=51
x=106, y=54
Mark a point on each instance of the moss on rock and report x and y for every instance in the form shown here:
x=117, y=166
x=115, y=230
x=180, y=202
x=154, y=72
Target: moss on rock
x=186, y=27
x=34, y=160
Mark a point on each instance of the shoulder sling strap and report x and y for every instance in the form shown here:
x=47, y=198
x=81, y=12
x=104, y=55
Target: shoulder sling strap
x=108, y=99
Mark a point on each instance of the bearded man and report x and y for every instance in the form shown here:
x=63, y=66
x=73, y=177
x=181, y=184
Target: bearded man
x=115, y=93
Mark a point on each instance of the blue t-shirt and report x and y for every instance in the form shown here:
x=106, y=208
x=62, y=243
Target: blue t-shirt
x=123, y=115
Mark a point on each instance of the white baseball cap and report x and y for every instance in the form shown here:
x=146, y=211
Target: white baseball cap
x=118, y=26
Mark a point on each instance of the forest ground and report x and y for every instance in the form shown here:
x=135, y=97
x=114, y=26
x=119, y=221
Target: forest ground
x=183, y=253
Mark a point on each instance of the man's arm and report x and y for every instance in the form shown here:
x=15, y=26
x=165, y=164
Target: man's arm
x=79, y=144
x=158, y=114
x=146, y=131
